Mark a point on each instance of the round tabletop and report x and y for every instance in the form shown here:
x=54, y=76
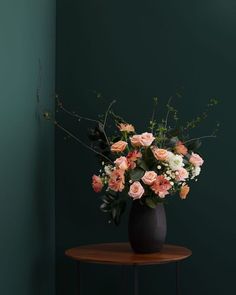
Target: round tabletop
x=122, y=254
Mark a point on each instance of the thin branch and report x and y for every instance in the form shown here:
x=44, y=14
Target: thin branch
x=76, y=115
x=79, y=117
x=107, y=112
x=80, y=141
x=202, y=137
x=154, y=112
x=168, y=112
x=105, y=121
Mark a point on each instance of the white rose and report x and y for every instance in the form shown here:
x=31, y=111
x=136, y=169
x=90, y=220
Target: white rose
x=196, y=171
x=175, y=161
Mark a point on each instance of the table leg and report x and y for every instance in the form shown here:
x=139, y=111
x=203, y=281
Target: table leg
x=78, y=277
x=123, y=281
x=177, y=270
x=135, y=280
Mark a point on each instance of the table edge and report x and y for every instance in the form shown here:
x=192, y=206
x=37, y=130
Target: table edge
x=91, y=261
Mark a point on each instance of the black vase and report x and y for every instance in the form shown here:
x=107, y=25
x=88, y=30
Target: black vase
x=147, y=227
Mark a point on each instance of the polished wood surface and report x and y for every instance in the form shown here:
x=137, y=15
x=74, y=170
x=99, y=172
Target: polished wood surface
x=122, y=254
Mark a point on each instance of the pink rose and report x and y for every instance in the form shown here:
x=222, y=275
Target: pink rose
x=181, y=174
x=146, y=139
x=117, y=180
x=160, y=154
x=126, y=127
x=161, y=186
x=136, y=140
x=122, y=163
x=119, y=146
x=97, y=183
x=136, y=190
x=149, y=177
x=196, y=160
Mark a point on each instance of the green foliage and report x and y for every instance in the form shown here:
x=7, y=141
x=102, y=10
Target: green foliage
x=136, y=174
x=114, y=205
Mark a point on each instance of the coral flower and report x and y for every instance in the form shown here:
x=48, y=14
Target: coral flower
x=117, y=180
x=161, y=186
x=97, y=183
x=180, y=148
x=149, y=177
x=136, y=140
x=122, y=163
x=160, y=154
x=184, y=191
x=126, y=127
x=119, y=146
x=146, y=139
x=132, y=157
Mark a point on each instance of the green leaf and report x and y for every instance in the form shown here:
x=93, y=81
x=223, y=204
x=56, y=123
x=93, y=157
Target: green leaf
x=151, y=202
x=141, y=163
x=136, y=174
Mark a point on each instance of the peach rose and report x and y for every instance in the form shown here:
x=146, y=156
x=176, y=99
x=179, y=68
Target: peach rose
x=180, y=148
x=126, y=127
x=136, y=140
x=97, y=183
x=122, y=163
x=196, y=160
x=149, y=177
x=119, y=146
x=136, y=190
x=117, y=180
x=146, y=139
x=160, y=154
x=161, y=186
x=181, y=174
x=184, y=191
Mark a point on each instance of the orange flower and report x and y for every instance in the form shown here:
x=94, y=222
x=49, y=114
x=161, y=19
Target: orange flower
x=126, y=127
x=184, y=191
x=117, y=180
x=119, y=146
x=180, y=148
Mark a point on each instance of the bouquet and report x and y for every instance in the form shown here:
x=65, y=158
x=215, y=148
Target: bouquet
x=149, y=166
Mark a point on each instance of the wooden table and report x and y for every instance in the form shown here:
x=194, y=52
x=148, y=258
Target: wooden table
x=121, y=254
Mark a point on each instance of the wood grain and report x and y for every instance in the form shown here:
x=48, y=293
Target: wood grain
x=122, y=254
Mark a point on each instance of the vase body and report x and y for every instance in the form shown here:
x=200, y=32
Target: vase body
x=147, y=228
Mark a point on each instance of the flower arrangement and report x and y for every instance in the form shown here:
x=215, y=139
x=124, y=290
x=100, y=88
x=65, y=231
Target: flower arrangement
x=150, y=166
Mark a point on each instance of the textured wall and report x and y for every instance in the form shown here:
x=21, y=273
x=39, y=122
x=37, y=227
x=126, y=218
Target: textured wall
x=27, y=53
x=134, y=50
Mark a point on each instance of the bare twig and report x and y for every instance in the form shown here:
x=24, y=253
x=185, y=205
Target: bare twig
x=105, y=121
x=202, y=137
x=168, y=112
x=80, y=141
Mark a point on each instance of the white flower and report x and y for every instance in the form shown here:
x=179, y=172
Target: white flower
x=196, y=171
x=108, y=170
x=159, y=167
x=172, y=183
x=175, y=161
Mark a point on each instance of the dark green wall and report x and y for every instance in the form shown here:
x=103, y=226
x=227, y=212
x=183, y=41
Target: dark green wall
x=26, y=148
x=134, y=50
